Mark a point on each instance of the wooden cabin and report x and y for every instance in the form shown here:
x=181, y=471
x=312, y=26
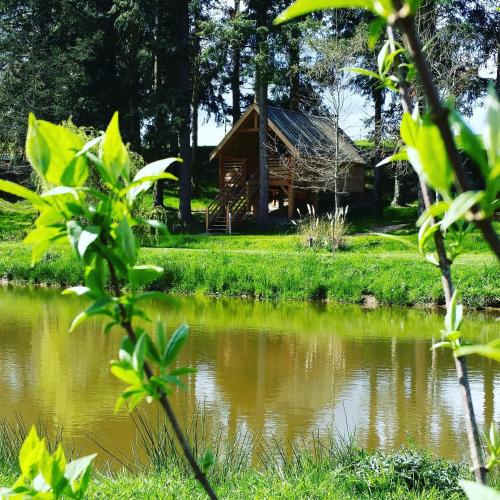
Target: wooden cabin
x=291, y=135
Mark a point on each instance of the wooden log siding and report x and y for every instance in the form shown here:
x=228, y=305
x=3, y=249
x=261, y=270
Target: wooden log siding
x=355, y=182
x=279, y=171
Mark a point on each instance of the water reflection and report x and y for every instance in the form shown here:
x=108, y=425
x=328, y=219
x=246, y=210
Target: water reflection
x=275, y=369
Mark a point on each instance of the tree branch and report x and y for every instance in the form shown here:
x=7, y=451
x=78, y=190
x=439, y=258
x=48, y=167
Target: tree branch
x=448, y=288
x=439, y=115
x=165, y=403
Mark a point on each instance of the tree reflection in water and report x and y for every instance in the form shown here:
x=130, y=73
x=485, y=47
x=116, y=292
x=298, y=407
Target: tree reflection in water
x=283, y=370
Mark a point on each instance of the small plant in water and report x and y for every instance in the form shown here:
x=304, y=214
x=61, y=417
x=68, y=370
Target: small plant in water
x=48, y=476
x=98, y=221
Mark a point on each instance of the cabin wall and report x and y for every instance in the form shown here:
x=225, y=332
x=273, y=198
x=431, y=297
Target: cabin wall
x=355, y=182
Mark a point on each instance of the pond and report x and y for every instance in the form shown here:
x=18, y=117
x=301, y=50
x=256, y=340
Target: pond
x=281, y=370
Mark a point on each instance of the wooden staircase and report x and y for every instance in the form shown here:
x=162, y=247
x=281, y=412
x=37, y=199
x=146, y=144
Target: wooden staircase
x=232, y=203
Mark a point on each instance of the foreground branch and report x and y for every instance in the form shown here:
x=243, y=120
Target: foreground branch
x=439, y=115
x=165, y=403
x=448, y=288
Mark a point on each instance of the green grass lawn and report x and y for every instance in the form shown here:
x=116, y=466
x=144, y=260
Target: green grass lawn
x=278, y=265
x=405, y=475
x=401, y=278
x=16, y=220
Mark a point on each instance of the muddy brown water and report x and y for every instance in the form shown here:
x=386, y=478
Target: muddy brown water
x=282, y=370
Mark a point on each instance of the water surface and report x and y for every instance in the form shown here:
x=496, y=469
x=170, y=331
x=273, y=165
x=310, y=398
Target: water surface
x=283, y=370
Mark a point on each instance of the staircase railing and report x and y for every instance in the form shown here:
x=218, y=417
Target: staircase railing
x=218, y=205
x=233, y=200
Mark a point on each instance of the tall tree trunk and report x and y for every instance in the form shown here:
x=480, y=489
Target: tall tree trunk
x=396, y=199
x=184, y=114
x=194, y=140
x=378, y=99
x=497, y=81
x=261, y=91
x=196, y=76
x=263, y=212
x=235, y=72
x=159, y=186
x=294, y=67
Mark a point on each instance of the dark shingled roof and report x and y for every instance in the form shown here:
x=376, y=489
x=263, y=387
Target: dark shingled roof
x=310, y=134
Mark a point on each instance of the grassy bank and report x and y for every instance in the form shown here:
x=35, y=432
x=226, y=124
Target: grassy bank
x=397, y=277
x=315, y=482
x=333, y=468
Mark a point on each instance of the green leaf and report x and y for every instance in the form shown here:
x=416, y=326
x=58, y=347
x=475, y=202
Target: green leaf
x=37, y=149
x=400, y=239
x=52, y=150
x=432, y=259
x=114, y=154
x=44, y=233
x=98, y=307
x=90, y=144
x=62, y=190
x=426, y=231
x=175, y=344
x=444, y=343
x=161, y=338
x=59, y=482
x=22, y=192
x=207, y=460
x=475, y=491
x=389, y=61
x=453, y=336
x=50, y=467
x=136, y=398
x=141, y=275
x=364, y=72
x=84, y=483
x=126, y=350
x=374, y=31
x=381, y=57
x=493, y=437
x=454, y=315
x=163, y=380
x=409, y=130
x=119, y=403
x=78, y=467
x=460, y=206
x=491, y=134
x=152, y=172
x=302, y=7
x=400, y=156
x=490, y=351
x=436, y=209
x=42, y=239
x=126, y=241
x=95, y=276
x=30, y=454
x=469, y=142
x=140, y=352
x=87, y=237
x=127, y=375
x=430, y=160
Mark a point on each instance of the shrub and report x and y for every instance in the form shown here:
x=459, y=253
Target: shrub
x=323, y=232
